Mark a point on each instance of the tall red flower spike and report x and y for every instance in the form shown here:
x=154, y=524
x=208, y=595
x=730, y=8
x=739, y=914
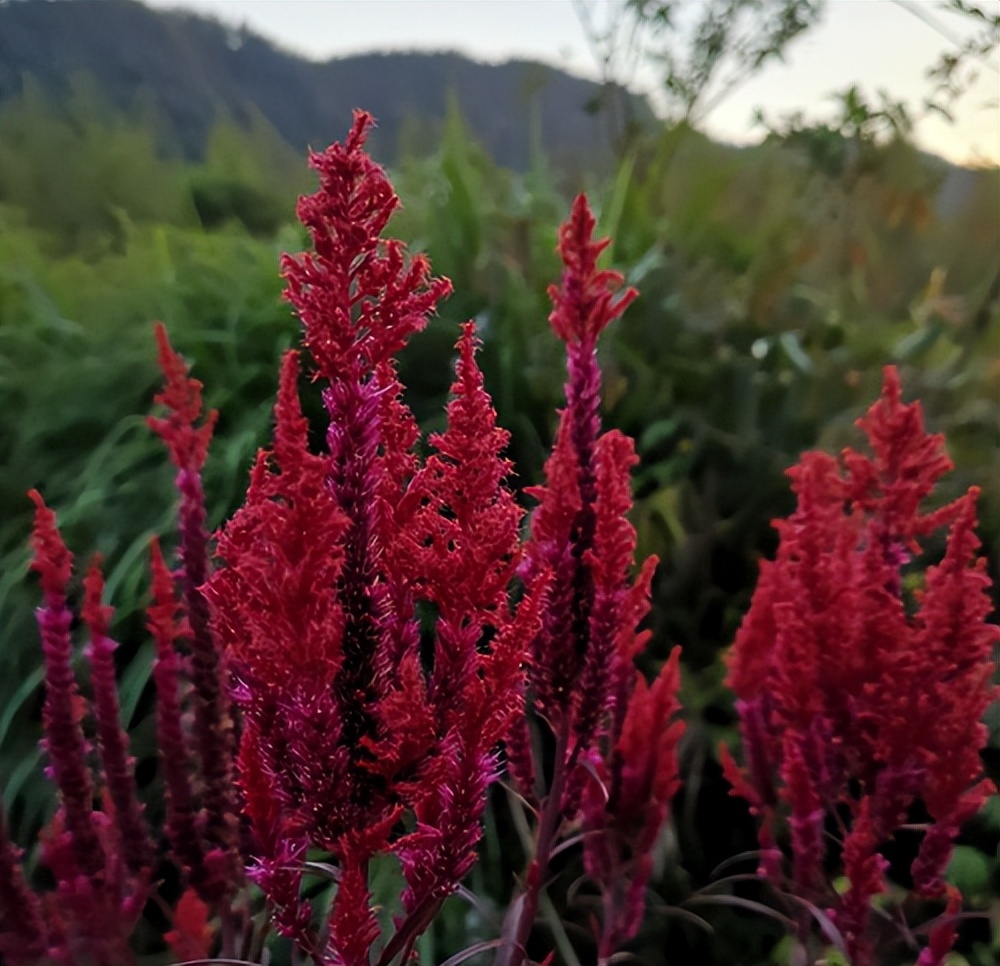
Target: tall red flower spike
x=64, y=708
x=24, y=934
x=167, y=626
x=625, y=809
x=191, y=937
x=345, y=733
x=357, y=297
x=187, y=443
x=583, y=685
x=459, y=550
x=118, y=765
x=854, y=695
x=101, y=861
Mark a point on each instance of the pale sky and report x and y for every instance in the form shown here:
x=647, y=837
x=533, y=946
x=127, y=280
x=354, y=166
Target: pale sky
x=873, y=43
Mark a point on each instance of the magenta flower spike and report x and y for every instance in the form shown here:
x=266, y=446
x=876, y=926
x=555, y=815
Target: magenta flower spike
x=855, y=696
x=23, y=930
x=164, y=621
x=64, y=706
x=345, y=733
x=118, y=765
x=97, y=904
x=187, y=443
x=582, y=683
x=459, y=548
x=625, y=811
x=359, y=301
x=562, y=531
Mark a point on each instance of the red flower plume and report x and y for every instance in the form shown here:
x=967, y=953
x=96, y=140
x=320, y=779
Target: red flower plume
x=853, y=696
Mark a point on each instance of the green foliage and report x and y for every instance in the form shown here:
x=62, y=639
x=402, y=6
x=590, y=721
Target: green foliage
x=704, y=53
x=112, y=172
x=237, y=181
x=106, y=165
x=775, y=283
x=77, y=375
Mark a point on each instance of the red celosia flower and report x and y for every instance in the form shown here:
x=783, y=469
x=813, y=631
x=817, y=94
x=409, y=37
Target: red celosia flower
x=461, y=523
x=284, y=553
x=562, y=530
x=187, y=443
x=118, y=765
x=167, y=626
x=279, y=617
x=64, y=707
x=322, y=568
x=460, y=549
x=358, y=299
x=852, y=695
x=280, y=842
x=582, y=680
x=191, y=937
x=625, y=810
x=563, y=526
x=23, y=930
x=943, y=934
x=588, y=298
x=101, y=864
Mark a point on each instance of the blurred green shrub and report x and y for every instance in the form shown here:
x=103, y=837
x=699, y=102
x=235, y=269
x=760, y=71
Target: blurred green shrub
x=77, y=373
x=775, y=283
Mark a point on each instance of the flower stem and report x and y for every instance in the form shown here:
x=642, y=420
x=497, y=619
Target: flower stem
x=516, y=951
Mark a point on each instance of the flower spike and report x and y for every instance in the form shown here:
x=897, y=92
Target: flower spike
x=852, y=697
x=119, y=766
x=187, y=443
x=64, y=706
x=582, y=682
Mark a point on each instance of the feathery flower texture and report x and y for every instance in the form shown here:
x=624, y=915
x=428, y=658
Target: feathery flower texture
x=348, y=743
x=203, y=832
x=854, y=693
x=338, y=668
x=101, y=859
x=614, y=736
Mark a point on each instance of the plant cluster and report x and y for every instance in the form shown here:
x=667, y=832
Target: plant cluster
x=353, y=661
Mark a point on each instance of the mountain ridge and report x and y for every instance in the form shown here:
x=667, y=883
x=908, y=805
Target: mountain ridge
x=192, y=69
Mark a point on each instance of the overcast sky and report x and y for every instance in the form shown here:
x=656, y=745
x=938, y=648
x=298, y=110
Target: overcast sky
x=874, y=43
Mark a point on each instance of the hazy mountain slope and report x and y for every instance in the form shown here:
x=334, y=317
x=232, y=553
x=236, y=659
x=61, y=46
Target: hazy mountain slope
x=189, y=68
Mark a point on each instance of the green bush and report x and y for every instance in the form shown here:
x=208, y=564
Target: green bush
x=774, y=287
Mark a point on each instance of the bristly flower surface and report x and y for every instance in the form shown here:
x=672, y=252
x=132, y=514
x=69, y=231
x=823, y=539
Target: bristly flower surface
x=165, y=622
x=101, y=860
x=588, y=559
x=857, y=696
x=117, y=764
x=186, y=431
x=583, y=686
x=350, y=743
x=23, y=930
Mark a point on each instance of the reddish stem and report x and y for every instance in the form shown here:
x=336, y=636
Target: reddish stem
x=545, y=839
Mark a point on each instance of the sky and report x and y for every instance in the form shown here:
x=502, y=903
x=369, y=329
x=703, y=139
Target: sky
x=876, y=44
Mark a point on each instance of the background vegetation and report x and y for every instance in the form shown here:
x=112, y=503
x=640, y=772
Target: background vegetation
x=775, y=283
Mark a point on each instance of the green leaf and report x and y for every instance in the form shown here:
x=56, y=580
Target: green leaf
x=970, y=871
x=659, y=431
x=789, y=342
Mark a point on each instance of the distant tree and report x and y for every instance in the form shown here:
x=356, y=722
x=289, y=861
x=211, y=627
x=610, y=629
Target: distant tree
x=106, y=162
x=952, y=75
x=701, y=52
x=866, y=120
x=249, y=176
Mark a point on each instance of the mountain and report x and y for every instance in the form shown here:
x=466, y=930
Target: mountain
x=190, y=70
